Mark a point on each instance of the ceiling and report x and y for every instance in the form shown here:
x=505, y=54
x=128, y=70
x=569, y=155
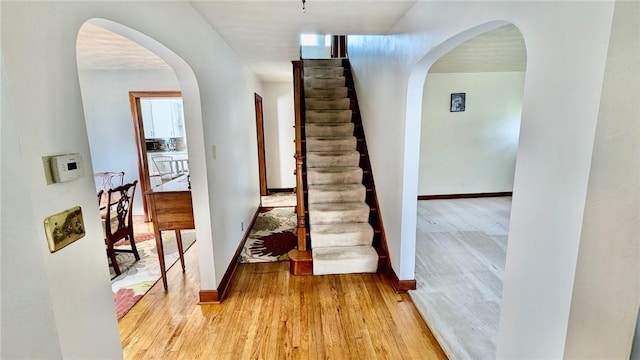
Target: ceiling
x=101, y=49
x=265, y=35
x=499, y=50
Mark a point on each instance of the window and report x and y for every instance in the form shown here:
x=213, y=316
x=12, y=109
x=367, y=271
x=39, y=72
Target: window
x=308, y=40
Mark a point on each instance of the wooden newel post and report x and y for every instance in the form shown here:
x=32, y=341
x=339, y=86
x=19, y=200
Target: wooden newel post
x=300, y=258
x=302, y=230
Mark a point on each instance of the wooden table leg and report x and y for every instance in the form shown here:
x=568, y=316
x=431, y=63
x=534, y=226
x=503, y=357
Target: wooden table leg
x=180, y=251
x=160, y=249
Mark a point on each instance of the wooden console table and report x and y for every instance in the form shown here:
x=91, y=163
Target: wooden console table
x=171, y=209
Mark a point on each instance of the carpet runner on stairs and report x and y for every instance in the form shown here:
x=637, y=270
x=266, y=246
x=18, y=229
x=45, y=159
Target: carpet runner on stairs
x=341, y=236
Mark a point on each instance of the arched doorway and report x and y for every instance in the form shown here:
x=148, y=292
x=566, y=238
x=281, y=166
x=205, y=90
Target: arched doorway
x=466, y=160
x=178, y=76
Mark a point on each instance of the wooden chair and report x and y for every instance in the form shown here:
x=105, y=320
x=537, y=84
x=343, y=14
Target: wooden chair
x=108, y=180
x=118, y=222
x=164, y=165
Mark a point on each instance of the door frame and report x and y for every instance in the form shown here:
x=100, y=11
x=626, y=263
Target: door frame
x=138, y=130
x=262, y=162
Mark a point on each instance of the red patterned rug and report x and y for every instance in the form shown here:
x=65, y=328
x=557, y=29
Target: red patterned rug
x=139, y=276
x=138, y=239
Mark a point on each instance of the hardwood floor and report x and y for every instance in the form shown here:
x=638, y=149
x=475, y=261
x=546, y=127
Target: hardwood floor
x=270, y=314
x=460, y=255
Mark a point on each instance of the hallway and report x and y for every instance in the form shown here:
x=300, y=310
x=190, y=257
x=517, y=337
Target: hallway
x=461, y=249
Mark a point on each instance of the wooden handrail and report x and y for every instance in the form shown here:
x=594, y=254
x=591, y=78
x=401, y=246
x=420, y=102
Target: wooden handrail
x=297, y=91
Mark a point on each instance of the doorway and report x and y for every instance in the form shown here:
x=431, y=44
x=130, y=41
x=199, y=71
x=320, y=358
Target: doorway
x=464, y=203
x=157, y=139
x=262, y=164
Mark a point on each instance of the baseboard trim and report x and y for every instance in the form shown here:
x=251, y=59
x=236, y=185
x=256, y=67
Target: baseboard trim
x=401, y=286
x=216, y=296
x=209, y=297
x=464, y=196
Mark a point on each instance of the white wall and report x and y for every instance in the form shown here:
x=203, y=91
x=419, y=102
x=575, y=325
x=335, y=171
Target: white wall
x=607, y=286
x=566, y=46
x=472, y=151
x=42, y=87
x=105, y=99
x=27, y=311
x=279, y=134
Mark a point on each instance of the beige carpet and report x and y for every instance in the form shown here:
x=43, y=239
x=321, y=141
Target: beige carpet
x=460, y=255
x=279, y=199
x=341, y=236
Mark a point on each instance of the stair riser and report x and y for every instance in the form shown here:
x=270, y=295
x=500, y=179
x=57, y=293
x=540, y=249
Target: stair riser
x=324, y=72
x=324, y=196
x=362, y=262
x=321, y=63
x=329, y=144
x=323, y=83
x=326, y=217
x=319, y=116
x=319, y=240
x=319, y=159
x=356, y=266
x=315, y=130
x=322, y=178
x=330, y=93
x=341, y=104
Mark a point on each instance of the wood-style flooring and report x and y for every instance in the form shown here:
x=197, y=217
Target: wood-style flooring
x=460, y=255
x=270, y=314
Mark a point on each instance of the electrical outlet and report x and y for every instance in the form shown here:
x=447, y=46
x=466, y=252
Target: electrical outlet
x=213, y=151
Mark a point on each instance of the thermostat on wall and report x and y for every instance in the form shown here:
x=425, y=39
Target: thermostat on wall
x=64, y=168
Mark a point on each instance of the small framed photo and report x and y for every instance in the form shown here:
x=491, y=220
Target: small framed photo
x=457, y=102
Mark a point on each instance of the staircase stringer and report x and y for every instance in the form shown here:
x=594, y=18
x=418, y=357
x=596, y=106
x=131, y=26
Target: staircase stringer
x=375, y=216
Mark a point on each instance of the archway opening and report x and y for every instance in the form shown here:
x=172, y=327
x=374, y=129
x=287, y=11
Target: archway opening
x=125, y=61
x=469, y=114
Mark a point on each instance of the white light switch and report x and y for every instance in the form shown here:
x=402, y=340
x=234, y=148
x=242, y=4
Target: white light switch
x=213, y=151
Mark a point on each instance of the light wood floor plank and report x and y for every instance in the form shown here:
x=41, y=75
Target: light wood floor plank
x=270, y=314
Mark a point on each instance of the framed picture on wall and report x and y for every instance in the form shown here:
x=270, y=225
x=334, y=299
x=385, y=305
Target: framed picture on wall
x=457, y=102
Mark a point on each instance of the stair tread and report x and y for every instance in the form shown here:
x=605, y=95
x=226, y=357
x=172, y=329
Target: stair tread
x=340, y=228
x=344, y=234
x=329, y=111
x=313, y=103
x=338, y=252
x=328, y=124
x=334, y=175
x=334, y=169
x=322, y=63
x=336, y=187
x=330, y=138
x=320, y=67
x=333, y=153
x=345, y=206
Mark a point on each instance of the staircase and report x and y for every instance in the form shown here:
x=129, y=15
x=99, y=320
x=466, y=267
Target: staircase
x=340, y=233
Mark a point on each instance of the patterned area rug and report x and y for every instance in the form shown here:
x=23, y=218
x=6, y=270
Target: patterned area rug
x=139, y=276
x=272, y=236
